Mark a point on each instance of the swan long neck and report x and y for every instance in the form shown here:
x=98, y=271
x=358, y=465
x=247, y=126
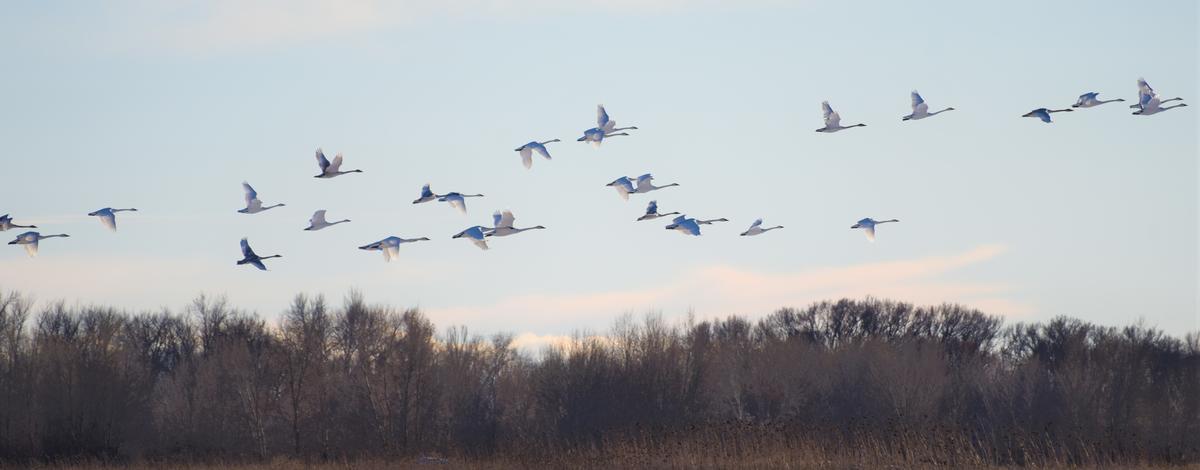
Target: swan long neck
x=1111, y=101
x=942, y=111
x=548, y=141
x=1164, y=108
x=52, y=236
x=274, y=206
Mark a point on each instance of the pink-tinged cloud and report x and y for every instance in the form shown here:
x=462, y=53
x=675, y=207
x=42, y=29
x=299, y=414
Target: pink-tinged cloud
x=723, y=290
x=249, y=25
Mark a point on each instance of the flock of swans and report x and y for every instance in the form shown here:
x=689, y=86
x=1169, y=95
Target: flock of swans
x=503, y=222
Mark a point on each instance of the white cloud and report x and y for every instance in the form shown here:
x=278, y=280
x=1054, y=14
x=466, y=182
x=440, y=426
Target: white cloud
x=723, y=290
x=220, y=26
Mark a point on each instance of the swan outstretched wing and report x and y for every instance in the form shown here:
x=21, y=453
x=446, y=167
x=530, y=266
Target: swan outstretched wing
x=251, y=194
x=247, y=251
x=321, y=160
x=832, y=119
x=109, y=220
x=336, y=165
x=917, y=102
x=527, y=157
x=318, y=218
x=506, y=219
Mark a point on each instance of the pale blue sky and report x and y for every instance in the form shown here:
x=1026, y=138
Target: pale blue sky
x=168, y=106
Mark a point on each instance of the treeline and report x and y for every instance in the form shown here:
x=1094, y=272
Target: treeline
x=942, y=385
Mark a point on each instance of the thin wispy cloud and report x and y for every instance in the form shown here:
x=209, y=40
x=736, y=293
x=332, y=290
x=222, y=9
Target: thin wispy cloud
x=723, y=289
x=222, y=26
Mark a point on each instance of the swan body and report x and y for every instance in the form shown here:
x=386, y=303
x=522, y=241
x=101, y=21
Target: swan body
x=426, y=195
x=833, y=121
x=920, y=110
x=652, y=212
x=684, y=224
x=248, y=257
x=527, y=150
x=108, y=216
x=475, y=235
x=624, y=186
x=1091, y=100
x=30, y=241
x=756, y=228
x=868, y=225
x=390, y=246
x=318, y=222
x=605, y=127
x=457, y=200
x=502, y=225
x=710, y=221
x=645, y=184
x=253, y=204
x=1044, y=114
x=330, y=170
x=7, y=224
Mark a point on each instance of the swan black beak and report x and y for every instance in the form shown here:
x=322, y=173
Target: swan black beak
x=14, y=242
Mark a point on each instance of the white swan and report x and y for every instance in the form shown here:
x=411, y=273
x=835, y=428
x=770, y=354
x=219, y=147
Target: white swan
x=1145, y=89
x=685, y=225
x=652, y=212
x=605, y=127
x=1090, y=99
x=710, y=221
x=920, y=110
x=756, y=228
x=390, y=246
x=527, y=150
x=1044, y=114
x=30, y=241
x=833, y=121
x=248, y=256
x=645, y=185
x=1149, y=104
x=6, y=224
x=502, y=225
x=330, y=170
x=868, y=226
x=457, y=201
x=624, y=187
x=253, y=204
x=475, y=234
x=426, y=195
x=108, y=216
x=318, y=222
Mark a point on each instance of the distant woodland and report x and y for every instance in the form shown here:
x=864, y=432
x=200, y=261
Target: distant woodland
x=861, y=380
